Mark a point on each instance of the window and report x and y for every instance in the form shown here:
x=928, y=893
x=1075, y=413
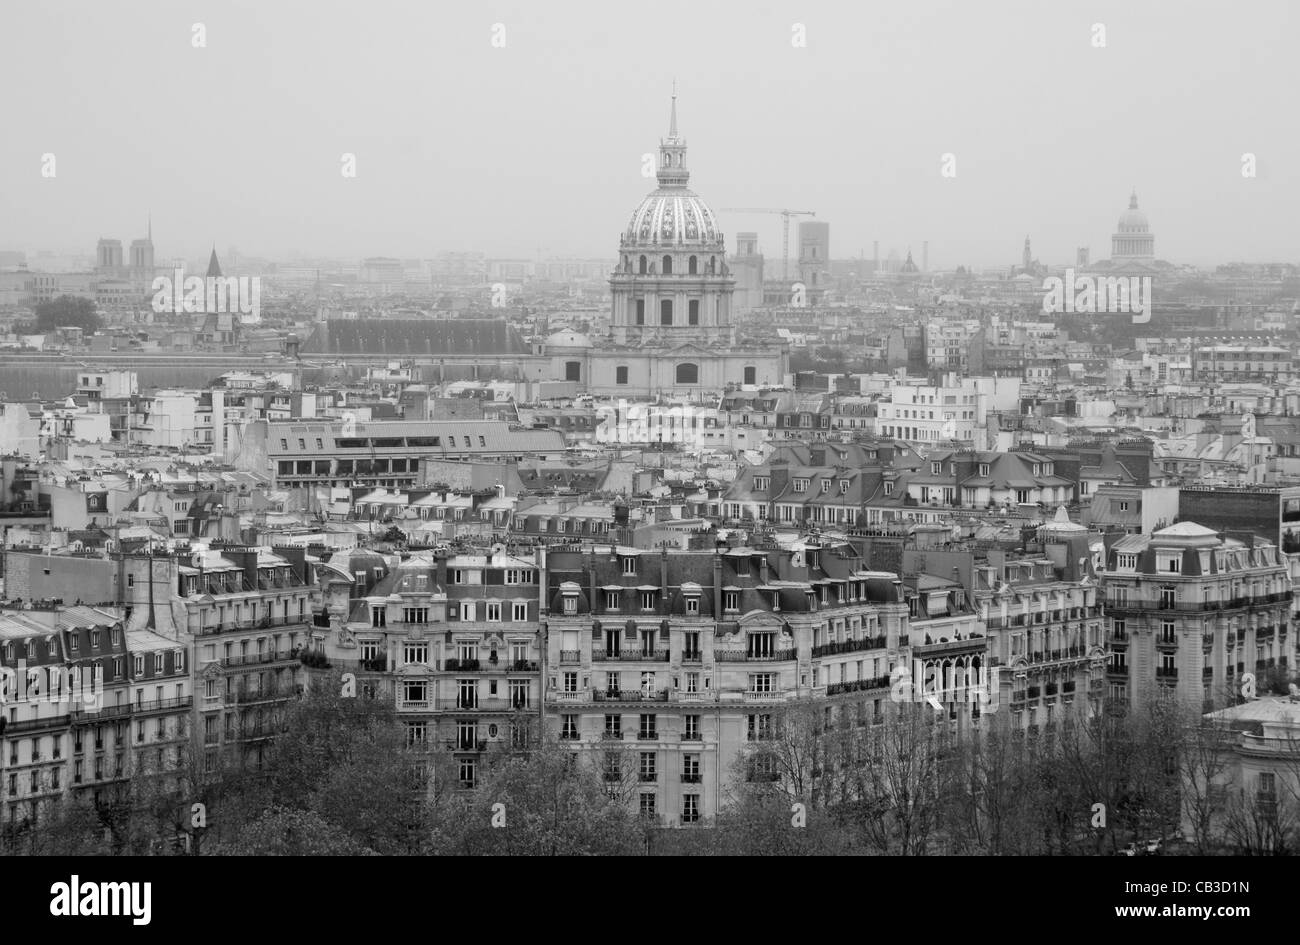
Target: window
x=691, y=730
x=614, y=726
x=570, y=682
x=519, y=612
x=984, y=469
x=693, y=318
x=762, y=682
x=688, y=373
x=415, y=614
x=493, y=612
x=761, y=482
x=640, y=303
x=761, y=645
x=690, y=808
x=1123, y=506
x=801, y=485
x=1125, y=562
x=665, y=310
x=646, y=767
x=378, y=617
x=629, y=564
x=647, y=804
x=647, y=600
x=620, y=377
x=692, y=605
x=414, y=691
x=760, y=727
x=647, y=729
x=412, y=652
x=731, y=600
x=611, y=600
x=569, y=727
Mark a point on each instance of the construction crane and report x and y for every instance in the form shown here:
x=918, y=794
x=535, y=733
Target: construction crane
x=785, y=233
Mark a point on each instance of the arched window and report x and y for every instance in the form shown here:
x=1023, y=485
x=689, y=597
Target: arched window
x=693, y=266
x=573, y=370
x=688, y=373
x=668, y=265
x=751, y=374
x=642, y=265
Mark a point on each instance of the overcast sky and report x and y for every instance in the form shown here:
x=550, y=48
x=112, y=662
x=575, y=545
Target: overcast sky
x=537, y=146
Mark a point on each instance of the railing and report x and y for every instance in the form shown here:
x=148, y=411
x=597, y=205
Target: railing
x=467, y=744
x=692, y=656
x=607, y=735
x=523, y=666
x=630, y=695
x=1167, y=672
x=153, y=705
x=692, y=737
x=252, y=659
x=692, y=778
x=80, y=713
x=28, y=725
x=858, y=685
x=648, y=736
x=413, y=704
x=570, y=656
x=744, y=656
x=939, y=647
x=851, y=646
x=631, y=655
x=567, y=736
x=269, y=694
x=645, y=777
x=462, y=666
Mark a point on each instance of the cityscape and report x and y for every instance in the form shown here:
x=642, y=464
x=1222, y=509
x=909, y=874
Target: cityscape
x=782, y=528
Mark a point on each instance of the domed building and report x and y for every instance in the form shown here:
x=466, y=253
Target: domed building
x=671, y=321
x=1133, y=238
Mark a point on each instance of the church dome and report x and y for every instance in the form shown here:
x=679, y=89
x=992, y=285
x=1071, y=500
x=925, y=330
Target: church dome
x=1133, y=220
x=672, y=218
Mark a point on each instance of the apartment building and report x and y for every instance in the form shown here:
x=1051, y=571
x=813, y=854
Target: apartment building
x=1190, y=612
x=664, y=670
x=453, y=640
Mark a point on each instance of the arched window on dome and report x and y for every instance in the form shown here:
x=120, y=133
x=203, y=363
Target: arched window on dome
x=693, y=266
x=688, y=373
x=668, y=265
x=643, y=265
x=713, y=265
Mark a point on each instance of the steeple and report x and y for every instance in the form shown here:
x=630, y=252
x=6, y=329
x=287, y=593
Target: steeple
x=1133, y=200
x=672, y=171
x=214, y=267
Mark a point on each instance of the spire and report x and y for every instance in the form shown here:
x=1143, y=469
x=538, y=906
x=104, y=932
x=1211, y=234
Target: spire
x=672, y=121
x=214, y=267
x=1133, y=200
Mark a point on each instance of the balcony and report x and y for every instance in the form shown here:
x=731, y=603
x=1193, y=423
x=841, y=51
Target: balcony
x=607, y=735
x=630, y=695
x=629, y=656
x=570, y=656
x=1166, y=672
x=407, y=705
x=858, y=685
x=649, y=735
x=259, y=659
x=647, y=777
x=1167, y=642
x=462, y=666
x=744, y=656
x=156, y=705
x=692, y=737
x=944, y=645
x=692, y=778
x=692, y=656
x=467, y=744
x=524, y=666
x=851, y=646
x=708, y=695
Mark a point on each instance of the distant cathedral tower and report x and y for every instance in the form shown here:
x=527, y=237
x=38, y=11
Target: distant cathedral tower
x=1028, y=257
x=672, y=284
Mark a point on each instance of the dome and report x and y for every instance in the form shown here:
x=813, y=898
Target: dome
x=568, y=338
x=672, y=217
x=1133, y=220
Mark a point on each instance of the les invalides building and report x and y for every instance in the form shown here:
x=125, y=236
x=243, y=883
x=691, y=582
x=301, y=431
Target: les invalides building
x=672, y=329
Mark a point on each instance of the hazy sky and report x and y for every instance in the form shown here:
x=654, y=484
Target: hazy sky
x=537, y=146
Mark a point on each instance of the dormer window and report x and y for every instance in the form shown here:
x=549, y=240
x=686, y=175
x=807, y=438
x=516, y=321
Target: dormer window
x=629, y=564
x=844, y=486
x=1125, y=562
x=801, y=485
x=984, y=469
x=611, y=600
x=889, y=488
x=936, y=469
x=761, y=483
x=826, y=485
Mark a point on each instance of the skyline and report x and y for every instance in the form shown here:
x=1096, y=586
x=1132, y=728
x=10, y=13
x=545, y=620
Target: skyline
x=540, y=149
